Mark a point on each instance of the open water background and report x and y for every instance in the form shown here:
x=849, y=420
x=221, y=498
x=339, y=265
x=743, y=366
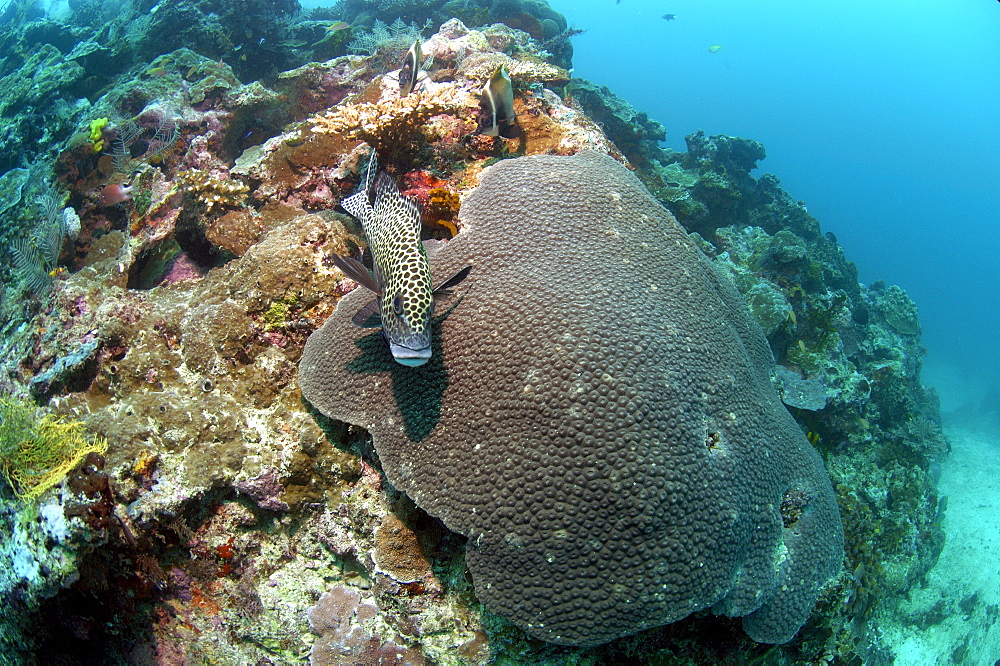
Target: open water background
x=884, y=117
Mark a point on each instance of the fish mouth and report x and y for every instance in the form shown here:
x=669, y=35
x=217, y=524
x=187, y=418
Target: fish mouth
x=410, y=357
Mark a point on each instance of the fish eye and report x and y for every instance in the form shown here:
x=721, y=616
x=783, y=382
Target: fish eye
x=397, y=304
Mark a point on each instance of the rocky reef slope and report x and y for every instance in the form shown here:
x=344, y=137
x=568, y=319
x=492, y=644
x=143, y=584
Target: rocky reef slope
x=167, y=256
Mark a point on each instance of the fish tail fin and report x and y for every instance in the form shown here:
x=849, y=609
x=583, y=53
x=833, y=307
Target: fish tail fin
x=359, y=205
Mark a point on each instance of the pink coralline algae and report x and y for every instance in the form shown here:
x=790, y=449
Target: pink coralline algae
x=340, y=618
x=275, y=338
x=182, y=267
x=79, y=307
x=264, y=489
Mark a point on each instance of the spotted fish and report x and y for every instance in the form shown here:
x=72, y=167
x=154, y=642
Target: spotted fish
x=401, y=276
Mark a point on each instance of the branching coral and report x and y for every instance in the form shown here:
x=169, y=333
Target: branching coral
x=36, y=454
x=389, y=124
x=212, y=191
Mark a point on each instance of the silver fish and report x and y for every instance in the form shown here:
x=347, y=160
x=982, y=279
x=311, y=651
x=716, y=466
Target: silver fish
x=401, y=276
x=410, y=70
x=496, y=107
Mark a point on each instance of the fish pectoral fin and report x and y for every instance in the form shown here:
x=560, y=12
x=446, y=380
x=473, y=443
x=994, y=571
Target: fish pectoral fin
x=367, y=259
x=356, y=270
x=368, y=316
x=509, y=130
x=452, y=281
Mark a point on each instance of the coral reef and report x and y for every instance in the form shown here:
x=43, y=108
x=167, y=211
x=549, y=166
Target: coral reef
x=587, y=415
x=223, y=508
x=630, y=130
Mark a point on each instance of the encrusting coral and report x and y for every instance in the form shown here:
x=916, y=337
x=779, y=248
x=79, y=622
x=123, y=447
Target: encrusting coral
x=482, y=65
x=211, y=191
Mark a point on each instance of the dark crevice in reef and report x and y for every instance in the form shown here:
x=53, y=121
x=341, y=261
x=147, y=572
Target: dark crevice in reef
x=191, y=238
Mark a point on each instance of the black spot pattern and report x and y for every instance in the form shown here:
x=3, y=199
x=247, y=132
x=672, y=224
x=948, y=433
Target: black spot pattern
x=392, y=227
x=601, y=425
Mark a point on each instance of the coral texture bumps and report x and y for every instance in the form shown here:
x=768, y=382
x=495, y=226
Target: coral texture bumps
x=598, y=417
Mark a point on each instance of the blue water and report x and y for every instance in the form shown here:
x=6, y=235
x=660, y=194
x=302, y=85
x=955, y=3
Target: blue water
x=884, y=117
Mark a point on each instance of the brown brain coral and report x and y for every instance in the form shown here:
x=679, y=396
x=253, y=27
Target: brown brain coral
x=597, y=419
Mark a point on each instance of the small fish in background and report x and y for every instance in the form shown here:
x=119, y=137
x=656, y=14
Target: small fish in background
x=112, y=195
x=934, y=469
x=714, y=49
x=332, y=30
x=496, y=108
x=670, y=17
x=401, y=276
x=410, y=70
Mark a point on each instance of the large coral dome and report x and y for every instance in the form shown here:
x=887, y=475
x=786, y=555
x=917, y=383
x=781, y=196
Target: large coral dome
x=598, y=417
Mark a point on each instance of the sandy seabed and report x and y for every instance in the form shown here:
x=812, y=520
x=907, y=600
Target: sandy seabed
x=955, y=617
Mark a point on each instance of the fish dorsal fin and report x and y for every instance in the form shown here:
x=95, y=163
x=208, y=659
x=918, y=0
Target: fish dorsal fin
x=368, y=316
x=390, y=204
x=383, y=189
x=356, y=270
x=370, y=175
